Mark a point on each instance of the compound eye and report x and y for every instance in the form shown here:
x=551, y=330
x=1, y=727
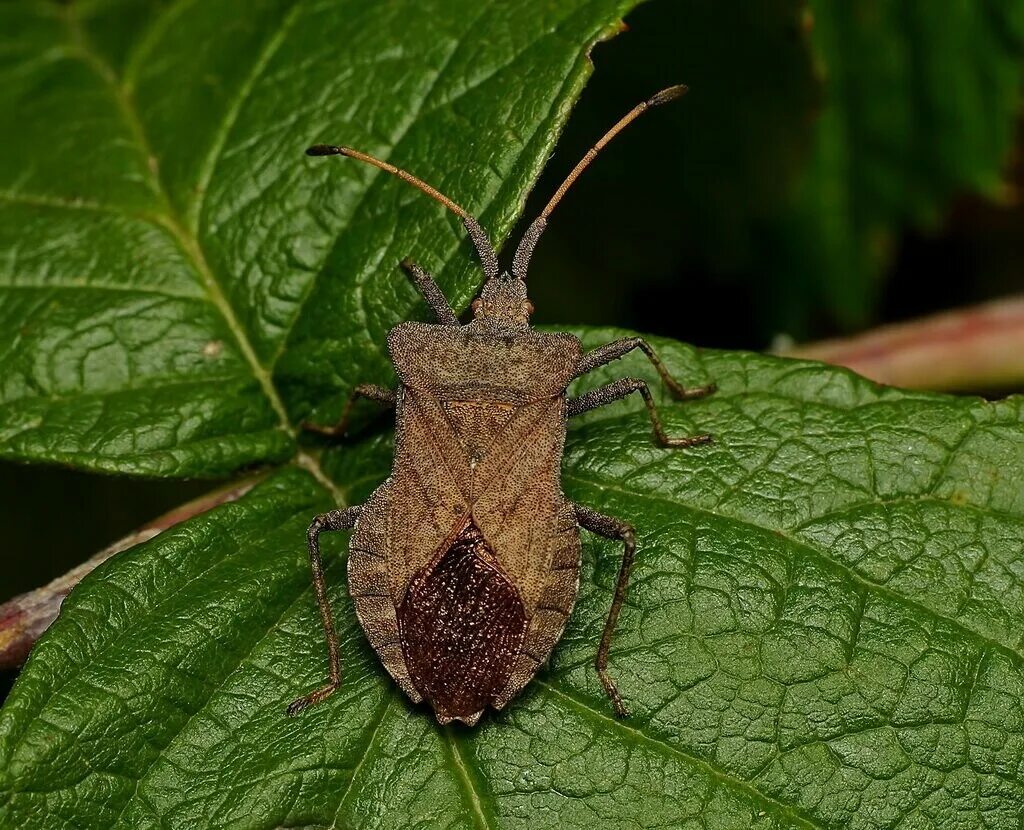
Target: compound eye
x=528, y=307
x=477, y=305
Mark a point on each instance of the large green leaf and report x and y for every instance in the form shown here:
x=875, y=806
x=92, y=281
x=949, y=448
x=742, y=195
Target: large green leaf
x=824, y=624
x=178, y=284
x=823, y=631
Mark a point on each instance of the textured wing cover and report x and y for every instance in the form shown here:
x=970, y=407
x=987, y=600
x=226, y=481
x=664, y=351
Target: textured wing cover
x=465, y=563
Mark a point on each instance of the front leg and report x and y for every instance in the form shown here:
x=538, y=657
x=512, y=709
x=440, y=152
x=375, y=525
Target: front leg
x=611, y=528
x=364, y=390
x=431, y=293
x=603, y=355
x=619, y=389
x=335, y=520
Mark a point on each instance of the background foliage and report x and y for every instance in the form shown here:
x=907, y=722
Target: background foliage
x=824, y=626
x=801, y=186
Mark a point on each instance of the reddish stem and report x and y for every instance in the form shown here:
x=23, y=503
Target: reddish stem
x=24, y=618
x=981, y=347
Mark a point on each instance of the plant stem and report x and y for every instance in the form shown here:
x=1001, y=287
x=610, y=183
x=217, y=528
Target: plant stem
x=24, y=618
x=981, y=347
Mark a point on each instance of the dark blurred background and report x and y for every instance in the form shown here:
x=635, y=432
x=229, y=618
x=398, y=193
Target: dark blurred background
x=834, y=167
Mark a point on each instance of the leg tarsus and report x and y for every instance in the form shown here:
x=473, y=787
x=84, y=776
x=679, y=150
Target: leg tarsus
x=692, y=393
x=364, y=390
x=334, y=520
x=621, y=388
x=313, y=698
x=611, y=528
x=605, y=354
x=430, y=292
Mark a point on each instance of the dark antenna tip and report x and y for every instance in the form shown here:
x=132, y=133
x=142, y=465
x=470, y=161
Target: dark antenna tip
x=324, y=150
x=667, y=95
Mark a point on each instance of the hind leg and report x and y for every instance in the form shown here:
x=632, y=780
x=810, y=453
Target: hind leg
x=335, y=520
x=611, y=528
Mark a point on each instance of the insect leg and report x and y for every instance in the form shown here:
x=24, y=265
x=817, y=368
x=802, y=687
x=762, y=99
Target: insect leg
x=363, y=390
x=431, y=293
x=603, y=355
x=335, y=520
x=619, y=389
x=611, y=528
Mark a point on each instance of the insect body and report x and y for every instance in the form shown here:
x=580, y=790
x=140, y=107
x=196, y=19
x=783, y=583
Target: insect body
x=464, y=563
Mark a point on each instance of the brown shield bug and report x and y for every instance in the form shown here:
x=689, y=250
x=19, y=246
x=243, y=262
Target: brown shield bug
x=464, y=563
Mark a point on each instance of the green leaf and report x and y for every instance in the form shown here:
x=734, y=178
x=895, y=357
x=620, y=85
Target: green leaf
x=923, y=101
x=823, y=631
x=179, y=285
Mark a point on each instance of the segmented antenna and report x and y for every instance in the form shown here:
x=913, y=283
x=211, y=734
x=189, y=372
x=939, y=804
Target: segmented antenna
x=521, y=261
x=484, y=250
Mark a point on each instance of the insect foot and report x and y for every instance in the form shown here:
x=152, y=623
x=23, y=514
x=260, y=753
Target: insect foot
x=464, y=564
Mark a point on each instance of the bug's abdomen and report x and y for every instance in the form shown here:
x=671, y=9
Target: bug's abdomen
x=462, y=624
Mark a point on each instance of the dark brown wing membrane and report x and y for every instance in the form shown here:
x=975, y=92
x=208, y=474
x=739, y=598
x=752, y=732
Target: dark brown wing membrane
x=462, y=625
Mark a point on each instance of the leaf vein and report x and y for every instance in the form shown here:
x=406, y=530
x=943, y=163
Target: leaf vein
x=209, y=164
x=177, y=591
x=374, y=729
x=821, y=556
x=271, y=631
x=188, y=242
x=663, y=747
x=466, y=781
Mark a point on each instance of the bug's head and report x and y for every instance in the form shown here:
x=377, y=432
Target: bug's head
x=503, y=303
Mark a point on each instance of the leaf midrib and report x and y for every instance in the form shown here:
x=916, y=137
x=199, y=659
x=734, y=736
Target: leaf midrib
x=169, y=219
x=184, y=227
x=188, y=241
x=461, y=770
